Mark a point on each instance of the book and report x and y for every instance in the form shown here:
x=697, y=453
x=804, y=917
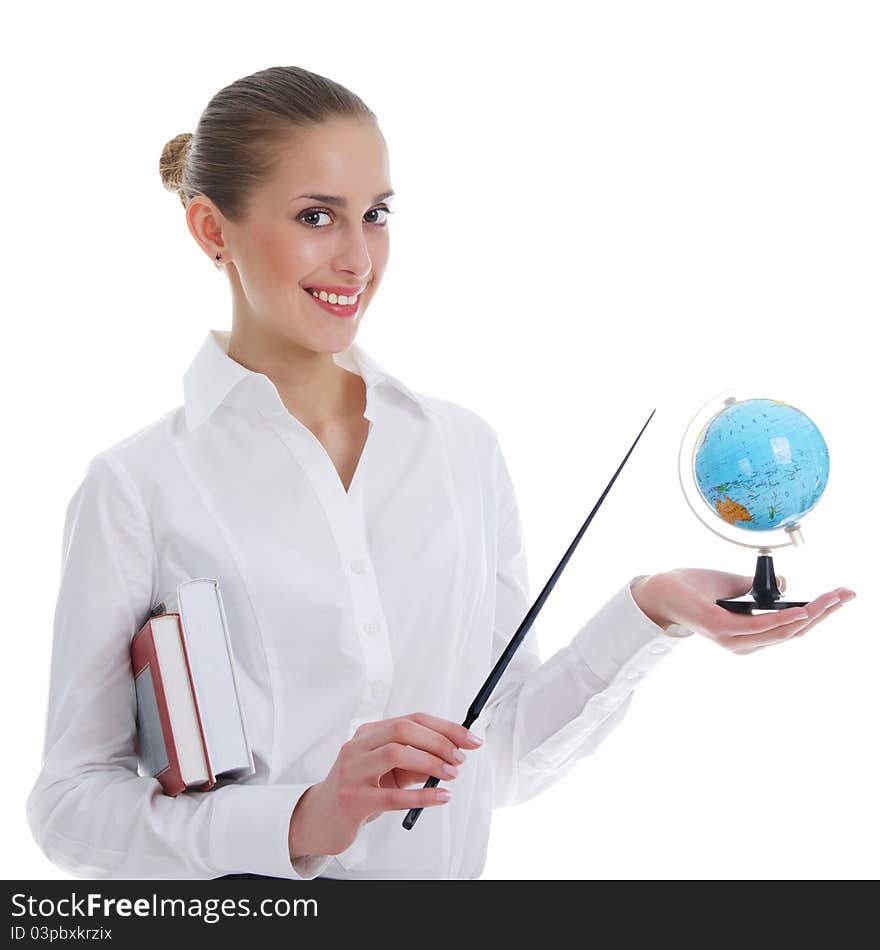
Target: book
x=191, y=728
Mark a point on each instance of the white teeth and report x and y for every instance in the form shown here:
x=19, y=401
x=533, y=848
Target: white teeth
x=339, y=299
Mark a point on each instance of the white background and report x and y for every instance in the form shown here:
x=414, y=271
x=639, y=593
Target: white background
x=604, y=209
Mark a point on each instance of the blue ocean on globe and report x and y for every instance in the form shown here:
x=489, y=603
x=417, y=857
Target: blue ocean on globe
x=761, y=464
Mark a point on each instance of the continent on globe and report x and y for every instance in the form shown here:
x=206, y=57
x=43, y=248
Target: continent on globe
x=730, y=511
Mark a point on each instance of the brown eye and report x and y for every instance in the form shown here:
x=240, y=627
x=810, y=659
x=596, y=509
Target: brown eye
x=384, y=212
x=311, y=213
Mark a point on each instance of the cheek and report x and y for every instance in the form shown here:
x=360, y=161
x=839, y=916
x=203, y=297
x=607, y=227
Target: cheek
x=282, y=257
x=379, y=247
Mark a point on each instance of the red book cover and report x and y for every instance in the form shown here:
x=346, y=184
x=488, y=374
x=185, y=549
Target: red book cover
x=143, y=653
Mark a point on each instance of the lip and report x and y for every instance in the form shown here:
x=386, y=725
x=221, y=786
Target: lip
x=346, y=311
x=348, y=291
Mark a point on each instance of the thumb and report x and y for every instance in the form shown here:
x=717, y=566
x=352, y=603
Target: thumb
x=748, y=580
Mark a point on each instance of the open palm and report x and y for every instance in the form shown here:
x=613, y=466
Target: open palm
x=687, y=596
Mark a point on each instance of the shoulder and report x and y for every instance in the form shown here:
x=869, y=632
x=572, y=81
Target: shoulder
x=461, y=420
x=474, y=442
x=134, y=454
x=470, y=438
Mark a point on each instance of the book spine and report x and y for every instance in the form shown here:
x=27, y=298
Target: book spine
x=143, y=653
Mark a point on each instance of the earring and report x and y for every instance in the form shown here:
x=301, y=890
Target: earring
x=217, y=258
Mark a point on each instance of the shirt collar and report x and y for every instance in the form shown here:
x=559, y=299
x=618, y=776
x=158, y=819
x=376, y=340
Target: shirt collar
x=214, y=379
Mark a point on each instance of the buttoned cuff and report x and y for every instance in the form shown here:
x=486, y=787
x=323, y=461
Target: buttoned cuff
x=249, y=832
x=621, y=644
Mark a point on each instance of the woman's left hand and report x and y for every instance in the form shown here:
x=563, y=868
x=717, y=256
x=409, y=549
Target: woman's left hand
x=687, y=596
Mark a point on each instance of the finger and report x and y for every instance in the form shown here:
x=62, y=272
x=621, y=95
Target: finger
x=406, y=778
x=456, y=734
x=762, y=623
x=409, y=732
x=430, y=733
x=807, y=626
x=454, y=731
x=396, y=799
x=394, y=755
x=749, y=644
x=744, y=625
x=827, y=606
x=402, y=778
x=846, y=597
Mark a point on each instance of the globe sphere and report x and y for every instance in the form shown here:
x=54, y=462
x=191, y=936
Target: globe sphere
x=760, y=464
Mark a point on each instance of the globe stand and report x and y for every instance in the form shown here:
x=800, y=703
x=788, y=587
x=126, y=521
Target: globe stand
x=764, y=594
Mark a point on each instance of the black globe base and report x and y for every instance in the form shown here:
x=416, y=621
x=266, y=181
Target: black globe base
x=765, y=593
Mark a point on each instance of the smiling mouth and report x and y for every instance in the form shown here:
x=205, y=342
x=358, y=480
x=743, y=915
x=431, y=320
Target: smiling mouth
x=323, y=294
x=338, y=310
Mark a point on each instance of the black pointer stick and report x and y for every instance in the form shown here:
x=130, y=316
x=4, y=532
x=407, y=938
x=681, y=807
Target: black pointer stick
x=490, y=684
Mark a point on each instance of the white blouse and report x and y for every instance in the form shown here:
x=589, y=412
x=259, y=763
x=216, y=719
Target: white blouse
x=394, y=597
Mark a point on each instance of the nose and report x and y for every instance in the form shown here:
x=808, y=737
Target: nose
x=353, y=253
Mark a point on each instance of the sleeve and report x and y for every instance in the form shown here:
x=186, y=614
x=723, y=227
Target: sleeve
x=90, y=811
x=544, y=717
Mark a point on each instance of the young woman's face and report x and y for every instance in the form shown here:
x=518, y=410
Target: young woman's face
x=319, y=224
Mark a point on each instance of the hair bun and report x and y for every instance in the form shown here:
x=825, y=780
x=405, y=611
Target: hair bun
x=172, y=161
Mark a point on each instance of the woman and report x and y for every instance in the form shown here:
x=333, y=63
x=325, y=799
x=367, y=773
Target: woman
x=368, y=547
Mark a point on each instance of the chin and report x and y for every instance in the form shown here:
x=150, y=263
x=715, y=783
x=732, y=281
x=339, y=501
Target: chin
x=332, y=339
x=321, y=331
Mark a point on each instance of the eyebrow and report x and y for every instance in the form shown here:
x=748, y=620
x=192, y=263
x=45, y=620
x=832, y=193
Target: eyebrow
x=341, y=202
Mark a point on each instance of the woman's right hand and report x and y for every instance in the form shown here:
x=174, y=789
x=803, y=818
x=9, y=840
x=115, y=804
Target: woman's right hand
x=370, y=776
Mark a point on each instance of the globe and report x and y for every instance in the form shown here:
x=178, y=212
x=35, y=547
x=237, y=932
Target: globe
x=761, y=464
x=758, y=465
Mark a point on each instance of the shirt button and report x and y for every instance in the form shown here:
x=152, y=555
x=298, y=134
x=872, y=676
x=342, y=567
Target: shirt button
x=357, y=566
x=378, y=689
x=371, y=627
x=657, y=649
x=633, y=674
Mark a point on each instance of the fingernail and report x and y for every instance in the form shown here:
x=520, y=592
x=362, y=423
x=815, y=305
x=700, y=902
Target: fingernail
x=458, y=756
x=474, y=738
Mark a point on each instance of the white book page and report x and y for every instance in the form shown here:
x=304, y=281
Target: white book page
x=154, y=756
x=178, y=695
x=213, y=674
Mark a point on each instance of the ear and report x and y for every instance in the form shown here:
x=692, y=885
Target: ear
x=205, y=221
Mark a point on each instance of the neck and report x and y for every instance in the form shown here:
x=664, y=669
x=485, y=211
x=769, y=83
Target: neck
x=311, y=385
